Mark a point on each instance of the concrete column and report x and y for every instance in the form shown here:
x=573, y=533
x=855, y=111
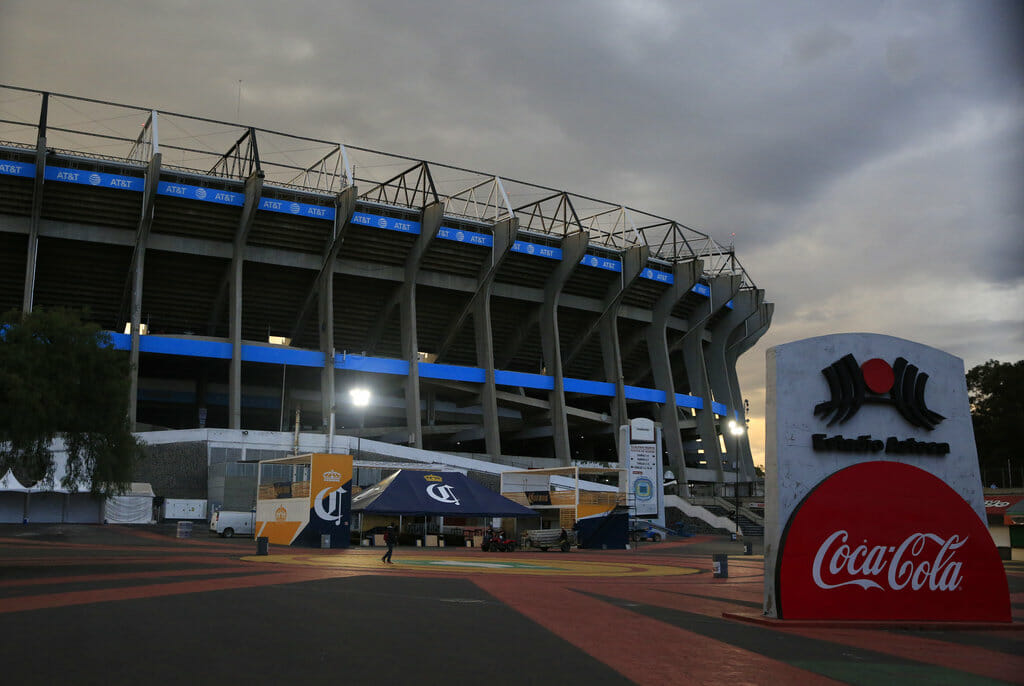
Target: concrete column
x=37, y=210
x=745, y=306
x=344, y=206
x=573, y=248
x=136, y=276
x=723, y=288
x=750, y=333
x=253, y=190
x=328, y=395
x=429, y=225
x=684, y=276
x=504, y=234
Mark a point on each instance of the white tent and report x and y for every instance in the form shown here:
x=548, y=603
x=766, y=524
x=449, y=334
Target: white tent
x=12, y=499
x=134, y=507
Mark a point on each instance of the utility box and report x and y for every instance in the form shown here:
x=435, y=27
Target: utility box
x=720, y=565
x=176, y=508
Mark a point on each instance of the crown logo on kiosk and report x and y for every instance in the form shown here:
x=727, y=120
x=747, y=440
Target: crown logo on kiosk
x=332, y=476
x=433, y=477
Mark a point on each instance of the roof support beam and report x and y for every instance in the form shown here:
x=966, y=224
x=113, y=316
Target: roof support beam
x=323, y=290
x=633, y=262
x=136, y=280
x=430, y=222
x=253, y=190
x=504, y=234
x=747, y=336
x=684, y=276
x=37, y=211
x=723, y=289
x=574, y=246
x=344, y=207
x=745, y=305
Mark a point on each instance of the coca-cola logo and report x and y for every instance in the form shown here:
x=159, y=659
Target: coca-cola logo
x=888, y=541
x=920, y=561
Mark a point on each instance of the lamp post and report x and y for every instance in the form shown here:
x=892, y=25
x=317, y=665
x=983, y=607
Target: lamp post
x=736, y=429
x=360, y=398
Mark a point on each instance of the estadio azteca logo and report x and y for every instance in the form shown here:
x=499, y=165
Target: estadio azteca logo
x=889, y=541
x=901, y=385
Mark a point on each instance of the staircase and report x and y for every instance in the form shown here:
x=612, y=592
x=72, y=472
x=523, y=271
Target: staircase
x=748, y=526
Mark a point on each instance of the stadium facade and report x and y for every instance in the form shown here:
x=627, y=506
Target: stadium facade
x=254, y=278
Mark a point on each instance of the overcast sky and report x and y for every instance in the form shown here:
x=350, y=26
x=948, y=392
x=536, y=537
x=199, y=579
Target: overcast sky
x=868, y=156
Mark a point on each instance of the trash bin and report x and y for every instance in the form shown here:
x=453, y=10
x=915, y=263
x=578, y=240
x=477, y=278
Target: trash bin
x=184, y=529
x=720, y=565
x=262, y=545
x=325, y=540
x=748, y=548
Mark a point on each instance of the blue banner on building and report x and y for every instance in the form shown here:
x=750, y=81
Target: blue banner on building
x=538, y=250
x=182, y=190
x=601, y=263
x=460, y=236
x=11, y=168
x=702, y=289
x=98, y=179
x=298, y=209
x=655, y=275
x=389, y=223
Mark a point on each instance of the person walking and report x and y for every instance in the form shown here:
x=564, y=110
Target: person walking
x=389, y=540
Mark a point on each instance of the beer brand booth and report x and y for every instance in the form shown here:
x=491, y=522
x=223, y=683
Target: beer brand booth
x=420, y=495
x=305, y=500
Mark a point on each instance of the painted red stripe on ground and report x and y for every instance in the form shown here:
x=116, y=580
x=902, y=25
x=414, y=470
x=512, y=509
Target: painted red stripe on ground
x=37, y=602
x=90, y=578
x=647, y=651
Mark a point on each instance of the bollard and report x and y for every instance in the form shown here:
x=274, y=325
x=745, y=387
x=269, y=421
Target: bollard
x=720, y=565
x=262, y=545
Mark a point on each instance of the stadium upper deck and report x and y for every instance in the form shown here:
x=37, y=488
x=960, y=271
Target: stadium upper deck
x=488, y=315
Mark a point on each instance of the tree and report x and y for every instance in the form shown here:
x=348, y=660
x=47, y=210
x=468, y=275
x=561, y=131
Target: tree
x=996, y=393
x=60, y=377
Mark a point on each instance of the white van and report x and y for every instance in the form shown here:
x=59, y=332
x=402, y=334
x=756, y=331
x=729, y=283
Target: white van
x=229, y=523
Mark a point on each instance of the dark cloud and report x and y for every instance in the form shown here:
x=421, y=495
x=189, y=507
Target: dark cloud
x=868, y=156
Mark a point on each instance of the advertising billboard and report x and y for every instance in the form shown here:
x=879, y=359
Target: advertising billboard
x=873, y=496
x=317, y=501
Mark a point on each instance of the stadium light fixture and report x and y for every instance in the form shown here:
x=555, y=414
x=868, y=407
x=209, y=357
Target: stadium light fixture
x=735, y=428
x=360, y=398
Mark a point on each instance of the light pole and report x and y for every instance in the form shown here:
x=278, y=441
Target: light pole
x=360, y=398
x=736, y=429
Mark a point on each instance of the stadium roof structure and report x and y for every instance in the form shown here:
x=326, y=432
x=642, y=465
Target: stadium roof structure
x=256, y=272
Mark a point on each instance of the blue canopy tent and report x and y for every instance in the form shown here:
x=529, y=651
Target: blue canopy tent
x=421, y=494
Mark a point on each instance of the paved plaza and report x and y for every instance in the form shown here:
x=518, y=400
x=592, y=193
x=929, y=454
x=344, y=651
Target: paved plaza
x=120, y=605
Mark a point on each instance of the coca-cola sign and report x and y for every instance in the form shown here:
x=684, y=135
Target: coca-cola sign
x=888, y=541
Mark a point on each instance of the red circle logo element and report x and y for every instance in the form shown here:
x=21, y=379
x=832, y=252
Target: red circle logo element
x=878, y=375
x=889, y=541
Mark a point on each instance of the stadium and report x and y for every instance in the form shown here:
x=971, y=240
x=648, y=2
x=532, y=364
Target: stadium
x=254, y=278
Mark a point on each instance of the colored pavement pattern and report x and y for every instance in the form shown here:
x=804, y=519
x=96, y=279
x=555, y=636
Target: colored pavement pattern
x=113, y=605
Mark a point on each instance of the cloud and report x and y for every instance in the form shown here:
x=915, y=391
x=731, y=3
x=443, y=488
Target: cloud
x=868, y=156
